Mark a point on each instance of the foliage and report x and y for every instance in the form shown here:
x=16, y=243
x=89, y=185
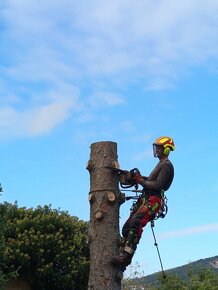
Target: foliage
x=2, y=244
x=203, y=279
x=49, y=245
x=171, y=282
x=3, y=276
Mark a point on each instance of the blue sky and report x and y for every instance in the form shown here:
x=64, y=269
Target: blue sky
x=77, y=72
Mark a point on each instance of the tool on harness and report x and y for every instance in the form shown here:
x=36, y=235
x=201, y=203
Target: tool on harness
x=134, y=197
x=163, y=209
x=156, y=245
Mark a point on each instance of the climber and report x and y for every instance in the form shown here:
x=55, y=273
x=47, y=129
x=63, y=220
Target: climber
x=149, y=203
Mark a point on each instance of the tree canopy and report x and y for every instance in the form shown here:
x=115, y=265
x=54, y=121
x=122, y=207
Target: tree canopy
x=48, y=247
x=4, y=277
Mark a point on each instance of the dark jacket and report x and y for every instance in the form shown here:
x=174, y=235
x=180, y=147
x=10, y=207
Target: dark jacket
x=159, y=179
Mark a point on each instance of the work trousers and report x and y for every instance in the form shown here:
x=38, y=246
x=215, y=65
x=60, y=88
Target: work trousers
x=143, y=211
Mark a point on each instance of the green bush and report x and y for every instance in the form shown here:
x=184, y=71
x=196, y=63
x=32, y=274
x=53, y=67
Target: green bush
x=4, y=277
x=48, y=245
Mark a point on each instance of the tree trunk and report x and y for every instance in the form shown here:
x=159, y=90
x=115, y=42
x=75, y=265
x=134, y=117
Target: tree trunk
x=105, y=199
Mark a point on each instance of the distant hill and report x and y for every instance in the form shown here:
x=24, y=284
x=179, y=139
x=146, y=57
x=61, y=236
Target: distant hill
x=211, y=263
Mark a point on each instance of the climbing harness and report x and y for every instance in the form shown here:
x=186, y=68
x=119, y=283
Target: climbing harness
x=158, y=252
x=163, y=209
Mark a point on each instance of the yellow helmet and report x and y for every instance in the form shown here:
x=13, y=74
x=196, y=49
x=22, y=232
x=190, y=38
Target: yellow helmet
x=166, y=142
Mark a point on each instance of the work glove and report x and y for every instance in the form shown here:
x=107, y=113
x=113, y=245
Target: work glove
x=136, y=175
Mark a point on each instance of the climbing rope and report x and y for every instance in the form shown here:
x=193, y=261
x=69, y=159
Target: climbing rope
x=156, y=245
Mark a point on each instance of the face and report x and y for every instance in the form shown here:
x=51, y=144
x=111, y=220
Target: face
x=158, y=151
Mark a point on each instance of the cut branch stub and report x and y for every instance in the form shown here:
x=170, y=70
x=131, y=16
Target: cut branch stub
x=99, y=215
x=111, y=196
x=89, y=165
x=116, y=164
x=91, y=197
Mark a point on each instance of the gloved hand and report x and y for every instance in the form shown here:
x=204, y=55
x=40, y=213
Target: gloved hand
x=136, y=175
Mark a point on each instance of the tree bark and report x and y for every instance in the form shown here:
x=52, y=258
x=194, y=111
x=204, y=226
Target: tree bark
x=105, y=199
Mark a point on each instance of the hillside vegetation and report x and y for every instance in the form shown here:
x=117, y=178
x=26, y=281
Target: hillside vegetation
x=198, y=275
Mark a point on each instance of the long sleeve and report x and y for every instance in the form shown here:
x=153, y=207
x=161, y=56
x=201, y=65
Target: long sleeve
x=160, y=178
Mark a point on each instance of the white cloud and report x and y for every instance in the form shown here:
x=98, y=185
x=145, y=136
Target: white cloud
x=38, y=114
x=103, y=46
x=44, y=119
x=34, y=121
x=156, y=41
x=190, y=231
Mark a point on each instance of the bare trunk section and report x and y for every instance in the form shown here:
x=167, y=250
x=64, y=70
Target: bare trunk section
x=105, y=199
